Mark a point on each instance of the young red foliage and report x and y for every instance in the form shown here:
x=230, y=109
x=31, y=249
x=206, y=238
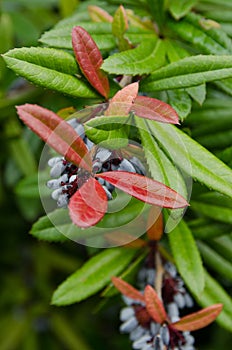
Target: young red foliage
x=154, y=305
x=127, y=290
x=90, y=60
x=198, y=319
x=123, y=100
x=56, y=133
x=151, y=108
x=88, y=205
x=145, y=189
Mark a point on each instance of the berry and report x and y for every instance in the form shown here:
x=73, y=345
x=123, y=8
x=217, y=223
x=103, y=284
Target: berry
x=67, y=178
x=143, y=331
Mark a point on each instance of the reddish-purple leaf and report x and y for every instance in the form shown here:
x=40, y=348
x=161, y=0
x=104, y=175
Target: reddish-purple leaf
x=123, y=100
x=151, y=108
x=56, y=133
x=88, y=205
x=198, y=319
x=154, y=305
x=126, y=289
x=145, y=189
x=90, y=60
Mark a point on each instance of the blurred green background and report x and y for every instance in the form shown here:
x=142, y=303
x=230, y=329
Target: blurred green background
x=30, y=269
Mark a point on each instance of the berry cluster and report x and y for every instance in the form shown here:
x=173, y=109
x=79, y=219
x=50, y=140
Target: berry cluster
x=143, y=331
x=67, y=178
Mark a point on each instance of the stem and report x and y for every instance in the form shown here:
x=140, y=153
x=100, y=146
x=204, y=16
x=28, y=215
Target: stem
x=159, y=274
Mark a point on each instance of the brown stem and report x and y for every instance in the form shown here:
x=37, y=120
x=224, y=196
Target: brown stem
x=159, y=274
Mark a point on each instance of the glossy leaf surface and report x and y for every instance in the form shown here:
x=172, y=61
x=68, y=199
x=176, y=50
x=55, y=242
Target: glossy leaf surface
x=201, y=33
x=90, y=60
x=214, y=294
x=216, y=261
x=126, y=289
x=205, y=167
x=50, y=68
x=110, y=132
x=56, y=133
x=128, y=275
x=179, y=8
x=154, y=305
x=144, y=59
x=119, y=28
x=88, y=205
x=180, y=101
x=151, y=108
x=93, y=275
x=189, y=71
x=145, y=189
x=60, y=36
x=187, y=257
x=123, y=100
x=198, y=319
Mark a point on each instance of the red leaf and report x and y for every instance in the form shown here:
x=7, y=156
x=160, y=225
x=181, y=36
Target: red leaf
x=56, y=133
x=145, y=189
x=90, y=60
x=198, y=319
x=126, y=289
x=151, y=108
x=154, y=305
x=88, y=205
x=123, y=100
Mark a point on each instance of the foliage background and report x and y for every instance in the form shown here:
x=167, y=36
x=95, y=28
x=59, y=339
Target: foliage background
x=31, y=270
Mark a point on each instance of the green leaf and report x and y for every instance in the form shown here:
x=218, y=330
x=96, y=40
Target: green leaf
x=211, y=29
x=119, y=27
x=215, y=206
x=189, y=71
x=198, y=93
x=206, y=229
x=180, y=8
x=226, y=156
x=156, y=8
x=147, y=57
x=19, y=329
x=223, y=245
x=214, y=293
x=194, y=159
x=192, y=29
x=216, y=140
x=180, y=101
x=60, y=35
x=93, y=275
x=215, y=261
x=187, y=257
x=124, y=215
x=67, y=333
x=111, y=132
x=50, y=68
x=128, y=275
x=19, y=147
x=43, y=229
x=175, y=52
x=162, y=169
x=28, y=186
